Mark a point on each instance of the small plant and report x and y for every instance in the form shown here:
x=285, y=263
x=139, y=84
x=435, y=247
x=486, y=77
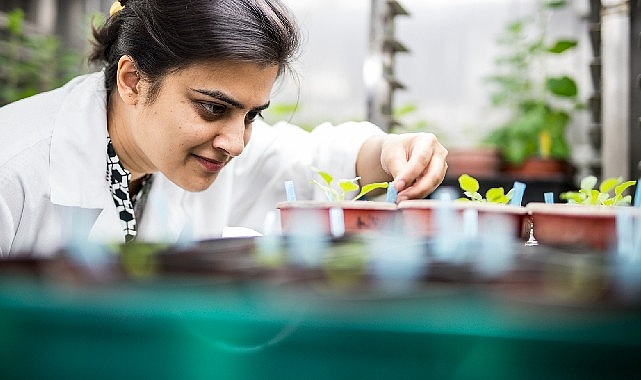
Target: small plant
x=588, y=195
x=345, y=186
x=470, y=187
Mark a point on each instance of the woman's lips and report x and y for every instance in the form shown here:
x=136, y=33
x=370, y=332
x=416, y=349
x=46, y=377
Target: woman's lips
x=209, y=164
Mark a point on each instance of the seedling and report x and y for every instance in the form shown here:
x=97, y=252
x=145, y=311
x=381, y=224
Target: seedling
x=344, y=186
x=588, y=195
x=470, y=187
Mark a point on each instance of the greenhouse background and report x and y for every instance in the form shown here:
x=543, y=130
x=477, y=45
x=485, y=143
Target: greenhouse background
x=452, y=46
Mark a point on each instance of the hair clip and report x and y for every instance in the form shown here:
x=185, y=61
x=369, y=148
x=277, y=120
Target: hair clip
x=116, y=6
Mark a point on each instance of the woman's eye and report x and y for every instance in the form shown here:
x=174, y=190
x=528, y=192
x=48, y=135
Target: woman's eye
x=213, y=109
x=251, y=116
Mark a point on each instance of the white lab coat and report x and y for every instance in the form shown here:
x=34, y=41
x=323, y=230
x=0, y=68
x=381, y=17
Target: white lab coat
x=53, y=186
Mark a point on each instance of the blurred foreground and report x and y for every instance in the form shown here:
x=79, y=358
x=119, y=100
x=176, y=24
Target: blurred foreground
x=357, y=306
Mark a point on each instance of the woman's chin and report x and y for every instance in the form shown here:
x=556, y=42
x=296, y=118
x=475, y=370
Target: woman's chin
x=196, y=185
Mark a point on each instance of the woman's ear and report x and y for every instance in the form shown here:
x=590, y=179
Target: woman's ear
x=128, y=80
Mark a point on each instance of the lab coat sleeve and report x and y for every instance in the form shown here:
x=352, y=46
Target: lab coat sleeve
x=20, y=204
x=24, y=205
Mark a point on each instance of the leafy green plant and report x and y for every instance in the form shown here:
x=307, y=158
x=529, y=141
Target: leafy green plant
x=344, y=186
x=470, y=187
x=588, y=195
x=30, y=62
x=540, y=105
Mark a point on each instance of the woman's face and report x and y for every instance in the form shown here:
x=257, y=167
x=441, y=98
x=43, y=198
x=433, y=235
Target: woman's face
x=199, y=120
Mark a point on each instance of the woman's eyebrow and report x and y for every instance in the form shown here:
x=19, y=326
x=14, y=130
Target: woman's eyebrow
x=216, y=94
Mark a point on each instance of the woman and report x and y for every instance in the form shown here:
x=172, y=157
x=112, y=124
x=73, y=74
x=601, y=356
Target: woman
x=157, y=146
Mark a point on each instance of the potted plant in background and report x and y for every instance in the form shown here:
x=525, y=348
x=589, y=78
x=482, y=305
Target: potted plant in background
x=540, y=105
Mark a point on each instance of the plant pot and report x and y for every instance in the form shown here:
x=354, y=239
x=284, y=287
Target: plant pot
x=420, y=216
x=574, y=224
x=538, y=168
x=482, y=162
x=358, y=216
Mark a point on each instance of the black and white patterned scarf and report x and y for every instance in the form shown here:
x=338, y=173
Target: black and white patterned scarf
x=129, y=208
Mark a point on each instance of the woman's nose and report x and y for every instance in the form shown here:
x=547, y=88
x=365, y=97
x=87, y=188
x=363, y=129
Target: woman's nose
x=231, y=139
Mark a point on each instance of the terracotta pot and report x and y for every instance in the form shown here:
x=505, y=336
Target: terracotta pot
x=574, y=225
x=358, y=215
x=419, y=216
x=535, y=167
x=477, y=162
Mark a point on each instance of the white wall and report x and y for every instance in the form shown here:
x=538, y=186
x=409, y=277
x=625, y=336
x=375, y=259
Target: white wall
x=330, y=69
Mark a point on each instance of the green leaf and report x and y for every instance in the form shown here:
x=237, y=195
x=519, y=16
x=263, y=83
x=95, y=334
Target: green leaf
x=404, y=110
x=371, y=186
x=326, y=177
x=468, y=183
x=622, y=187
x=15, y=22
x=609, y=184
x=569, y=194
x=348, y=185
x=555, y=4
x=515, y=27
x=562, y=86
x=516, y=151
x=594, y=197
x=496, y=195
x=572, y=197
x=562, y=45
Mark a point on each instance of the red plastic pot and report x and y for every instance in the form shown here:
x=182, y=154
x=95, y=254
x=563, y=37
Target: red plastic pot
x=358, y=216
x=574, y=224
x=419, y=216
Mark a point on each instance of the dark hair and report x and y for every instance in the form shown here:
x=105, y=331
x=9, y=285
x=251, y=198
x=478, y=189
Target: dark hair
x=163, y=36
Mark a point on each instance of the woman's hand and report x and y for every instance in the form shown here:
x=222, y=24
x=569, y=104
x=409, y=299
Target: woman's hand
x=415, y=161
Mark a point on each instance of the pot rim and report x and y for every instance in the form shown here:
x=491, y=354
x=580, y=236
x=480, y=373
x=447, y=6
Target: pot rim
x=459, y=205
x=579, y=209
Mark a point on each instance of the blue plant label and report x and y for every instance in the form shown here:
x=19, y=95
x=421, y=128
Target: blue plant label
x=392, y=193
x=637, y=194
x=517, y=197
x=290, y=192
